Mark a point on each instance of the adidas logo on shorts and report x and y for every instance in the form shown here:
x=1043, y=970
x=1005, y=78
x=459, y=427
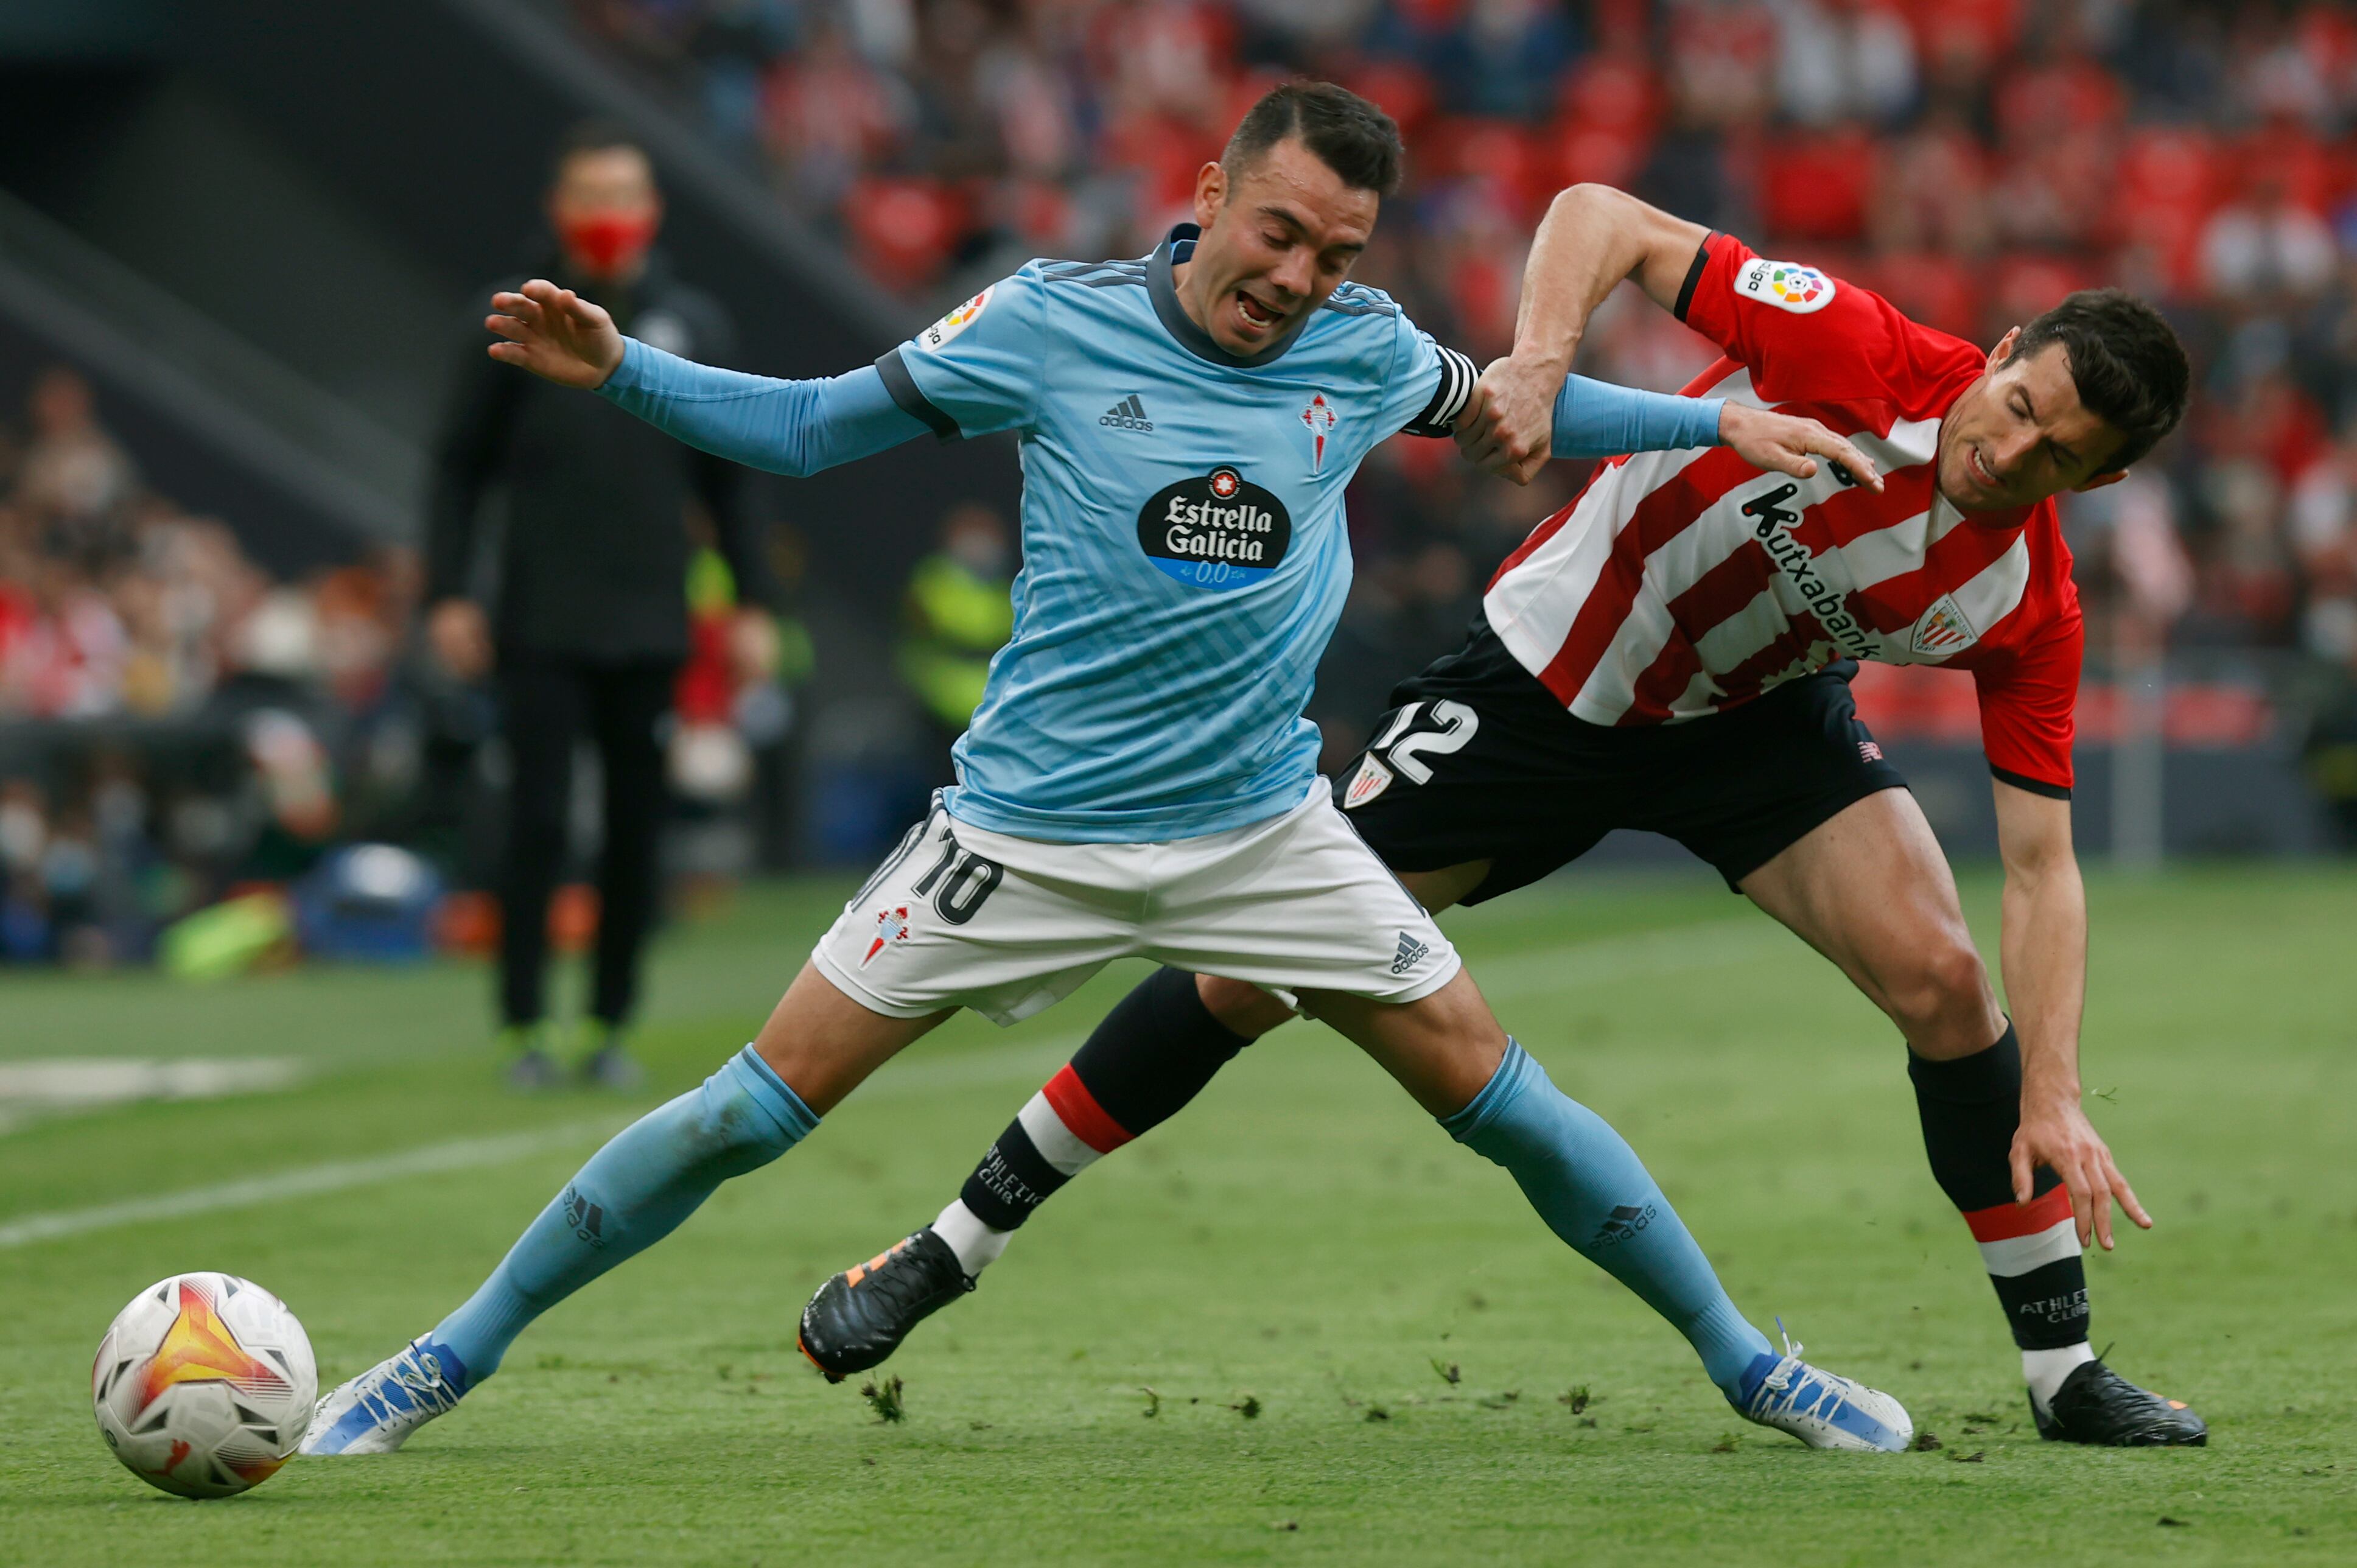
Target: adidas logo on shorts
x=1411, y=953
x=1127, y=415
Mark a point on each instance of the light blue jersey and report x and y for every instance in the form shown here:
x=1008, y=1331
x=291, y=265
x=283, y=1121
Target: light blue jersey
x=1185, y=553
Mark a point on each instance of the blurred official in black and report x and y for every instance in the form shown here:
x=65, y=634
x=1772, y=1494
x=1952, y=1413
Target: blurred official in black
x=589, y=626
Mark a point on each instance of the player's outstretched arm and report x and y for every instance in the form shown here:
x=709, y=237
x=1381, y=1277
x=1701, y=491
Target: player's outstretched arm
x=1592, y=237
x=1596, y=419
x=781, y=427
x=2044, y=953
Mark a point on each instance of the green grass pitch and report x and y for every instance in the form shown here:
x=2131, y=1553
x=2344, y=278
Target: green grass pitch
x=1228, y=1343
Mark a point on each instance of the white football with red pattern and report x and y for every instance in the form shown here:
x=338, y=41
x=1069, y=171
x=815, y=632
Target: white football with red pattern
x=203, y=1385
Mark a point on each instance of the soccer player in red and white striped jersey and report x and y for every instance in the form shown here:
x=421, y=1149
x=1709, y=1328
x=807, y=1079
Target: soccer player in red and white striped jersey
x=1678, y=585
x=1671, y=653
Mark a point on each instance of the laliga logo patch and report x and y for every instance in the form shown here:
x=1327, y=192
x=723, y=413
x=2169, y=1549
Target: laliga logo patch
x=1943, y=630
x=937, y=335
x=892, y=928
x=1787, y=285
x=1219, y=531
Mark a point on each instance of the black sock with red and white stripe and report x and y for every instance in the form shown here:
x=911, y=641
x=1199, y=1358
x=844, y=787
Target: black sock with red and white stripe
x=1151, y=1055
x=1971, y=1108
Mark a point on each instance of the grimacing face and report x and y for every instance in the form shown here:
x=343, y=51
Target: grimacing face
x=1277, y=240
x=2020, y=433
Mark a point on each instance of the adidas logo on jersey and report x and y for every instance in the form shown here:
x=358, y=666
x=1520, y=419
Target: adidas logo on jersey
x=1411, y=953
x=1127, y=415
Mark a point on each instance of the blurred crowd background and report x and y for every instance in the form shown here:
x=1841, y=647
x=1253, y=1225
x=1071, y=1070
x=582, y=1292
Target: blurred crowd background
x=1972, y=159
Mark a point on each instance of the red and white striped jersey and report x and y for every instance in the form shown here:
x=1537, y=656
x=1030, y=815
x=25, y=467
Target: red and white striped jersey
x=1686, y=583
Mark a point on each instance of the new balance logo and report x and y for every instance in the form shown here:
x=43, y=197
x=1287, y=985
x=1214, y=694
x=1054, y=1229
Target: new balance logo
x=1127, y=415
x=1411, y=953
x=1624, y=1221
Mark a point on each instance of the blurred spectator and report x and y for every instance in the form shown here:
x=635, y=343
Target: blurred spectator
x=2324, y=543
x=1842, y=60
x=958, y=614
x=115, y=601
x=75, y=483
x=592, y=613
x=2264, y=250
x=132, y=637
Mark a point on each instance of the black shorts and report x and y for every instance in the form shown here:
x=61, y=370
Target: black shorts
x=1478, y=761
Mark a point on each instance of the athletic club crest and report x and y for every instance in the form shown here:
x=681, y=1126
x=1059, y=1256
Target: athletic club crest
x=1943, y=630
x=1372, y=779
x=1321, y=417
x=891, y=926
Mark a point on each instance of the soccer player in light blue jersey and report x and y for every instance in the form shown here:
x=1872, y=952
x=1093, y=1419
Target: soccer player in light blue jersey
x=1139, y=780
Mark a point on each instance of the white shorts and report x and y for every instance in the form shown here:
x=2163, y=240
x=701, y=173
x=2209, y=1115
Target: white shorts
x=961, y=917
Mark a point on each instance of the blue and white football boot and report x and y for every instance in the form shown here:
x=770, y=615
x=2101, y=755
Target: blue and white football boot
x=1820, y=1409
x=376, y=1411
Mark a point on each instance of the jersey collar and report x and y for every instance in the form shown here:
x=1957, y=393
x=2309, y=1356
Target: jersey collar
x=1175, y=247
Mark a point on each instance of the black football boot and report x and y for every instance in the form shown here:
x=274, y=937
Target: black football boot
x=2096, y=1405
x=859, y=1317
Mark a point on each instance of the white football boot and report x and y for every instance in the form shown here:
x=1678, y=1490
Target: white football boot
x=1825, y=1411
x=376, y=1411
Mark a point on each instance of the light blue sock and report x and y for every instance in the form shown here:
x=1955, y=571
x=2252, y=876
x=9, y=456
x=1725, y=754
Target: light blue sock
x=632, y=1193
x=1591, y=1187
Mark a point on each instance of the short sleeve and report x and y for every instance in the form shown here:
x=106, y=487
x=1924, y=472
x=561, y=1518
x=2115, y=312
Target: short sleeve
x=977, y=370
x=2029, y=705
x=1805, y=334
x=1429, y=383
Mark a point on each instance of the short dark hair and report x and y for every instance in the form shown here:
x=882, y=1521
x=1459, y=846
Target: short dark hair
x=1352, y=136
x=596, y=135
x=2129, y=368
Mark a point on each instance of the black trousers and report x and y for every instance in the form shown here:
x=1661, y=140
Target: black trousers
x=547, y=704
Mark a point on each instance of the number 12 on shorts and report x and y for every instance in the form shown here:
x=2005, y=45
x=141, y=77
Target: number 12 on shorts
x=1411, y=735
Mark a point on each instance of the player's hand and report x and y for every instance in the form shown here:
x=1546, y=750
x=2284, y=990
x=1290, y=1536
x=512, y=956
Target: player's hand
x=555, y=333
x=2058, y=1136
x=1787, y=443
x=1508, y=426
x=460, y=637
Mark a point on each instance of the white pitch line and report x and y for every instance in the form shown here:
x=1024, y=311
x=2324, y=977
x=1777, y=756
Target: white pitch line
x=1641, y=955
x=30, y=1089
x=1032, y=1060
x=334, y=1176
